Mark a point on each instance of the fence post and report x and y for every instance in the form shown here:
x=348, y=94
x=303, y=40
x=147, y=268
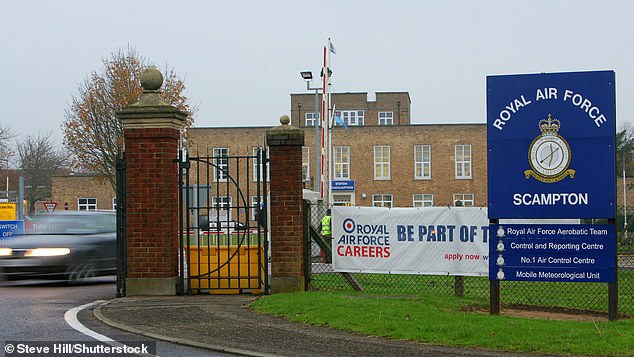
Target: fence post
x=307, y=246
x=151, y=129
x=494, y=287
x=286, y=207
x=613, y=288
x=458, y=286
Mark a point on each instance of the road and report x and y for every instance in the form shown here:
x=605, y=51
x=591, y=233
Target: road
x=33, y=311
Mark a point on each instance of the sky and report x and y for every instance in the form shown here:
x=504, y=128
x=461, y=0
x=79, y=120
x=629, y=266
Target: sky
x=241, y=59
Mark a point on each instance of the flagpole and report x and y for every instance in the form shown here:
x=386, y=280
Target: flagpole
x=330, y=167
x=330, y=119
x=326, y=146
x=324, y=128
x=329, y=103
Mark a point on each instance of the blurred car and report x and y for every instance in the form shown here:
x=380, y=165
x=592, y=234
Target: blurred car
x=205, y=224
x=71, y=245
x=233, y=225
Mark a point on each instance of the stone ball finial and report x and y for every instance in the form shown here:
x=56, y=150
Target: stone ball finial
x=151, y=79
x=285, y=120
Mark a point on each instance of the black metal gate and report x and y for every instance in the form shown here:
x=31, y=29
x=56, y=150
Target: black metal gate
x=223, y=223
x=121, y=233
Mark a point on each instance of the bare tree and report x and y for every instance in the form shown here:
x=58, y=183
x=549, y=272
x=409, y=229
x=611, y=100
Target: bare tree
x=6, y=153
x=92, y=134
x=6, y=134
x=625, y=149
x=38, y=160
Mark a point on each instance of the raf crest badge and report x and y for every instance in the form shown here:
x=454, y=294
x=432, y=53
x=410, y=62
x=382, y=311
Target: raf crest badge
x=549, y=154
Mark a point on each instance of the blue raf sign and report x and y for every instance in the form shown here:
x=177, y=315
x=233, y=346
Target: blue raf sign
x=567, y=253
x=551, y=145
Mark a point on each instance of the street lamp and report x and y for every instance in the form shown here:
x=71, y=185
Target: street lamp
x=308, y=77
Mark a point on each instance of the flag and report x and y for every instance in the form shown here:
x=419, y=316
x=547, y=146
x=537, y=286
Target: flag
x=332, y=47
x=340, y=121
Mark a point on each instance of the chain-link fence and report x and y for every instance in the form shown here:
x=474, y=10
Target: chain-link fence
x=625, y=228
x=558, y=296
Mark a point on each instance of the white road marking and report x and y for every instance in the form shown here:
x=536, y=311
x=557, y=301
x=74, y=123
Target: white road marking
x=71, y=319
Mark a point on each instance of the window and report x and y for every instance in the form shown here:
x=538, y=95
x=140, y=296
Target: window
x=220, y=208
x=422, y=162
x=386, y=118
x=351, y=117
x=384, y=200
x=306, y=163
x=463, y=161
x=381, y=162
x=423, y=200
x=221, y=202
x=310, y=118
x=342, y=199
x=87, y=204
x=114, y=203
x=257, y=150
x=463, y=199
x=342, y=162
x=255, y=204
x=197, y=195
x=221, y=164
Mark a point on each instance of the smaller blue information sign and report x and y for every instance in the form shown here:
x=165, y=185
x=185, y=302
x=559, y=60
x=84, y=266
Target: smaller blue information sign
x=529, y=252
x=343, y=185
x=11, y=228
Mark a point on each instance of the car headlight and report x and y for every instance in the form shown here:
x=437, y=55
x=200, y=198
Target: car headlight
x=5, y=251
x=46, y=252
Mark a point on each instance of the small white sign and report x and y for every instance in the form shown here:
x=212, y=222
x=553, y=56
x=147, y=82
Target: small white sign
x=50, y=207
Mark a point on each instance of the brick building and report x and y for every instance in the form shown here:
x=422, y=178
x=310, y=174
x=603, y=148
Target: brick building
x=388, y=109
x=381, y=159
x=399, y=166
x=83, y=192
x=391, y=161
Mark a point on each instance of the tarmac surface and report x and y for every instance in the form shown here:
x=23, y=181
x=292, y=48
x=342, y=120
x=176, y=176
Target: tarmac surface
x=225, y=323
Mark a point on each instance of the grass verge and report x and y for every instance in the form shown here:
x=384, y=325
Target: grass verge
x=450, y=321
x=581, y=296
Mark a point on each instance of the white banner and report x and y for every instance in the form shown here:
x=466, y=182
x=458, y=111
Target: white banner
x=429, y=240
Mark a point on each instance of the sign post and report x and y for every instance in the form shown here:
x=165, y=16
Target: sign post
x=551, y=155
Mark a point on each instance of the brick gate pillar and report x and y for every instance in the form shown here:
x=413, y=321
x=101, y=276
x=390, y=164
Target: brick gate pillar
x=286, y=207
x=151, y=129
